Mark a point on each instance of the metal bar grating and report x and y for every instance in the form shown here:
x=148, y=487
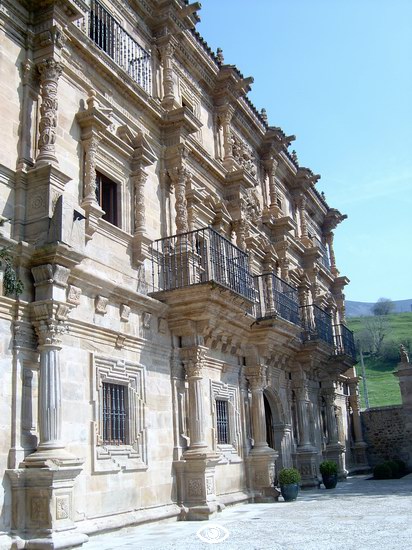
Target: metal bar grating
x=114, y=414
x=222, y=422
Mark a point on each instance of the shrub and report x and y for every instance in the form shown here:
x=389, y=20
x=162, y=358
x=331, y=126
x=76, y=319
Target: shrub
x=328, y=467
x=402, y=466
x=288, y=476
x=382, y=471
x=394, y=466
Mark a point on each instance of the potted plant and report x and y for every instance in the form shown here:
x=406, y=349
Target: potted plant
x=329, y=471
x=289, y=479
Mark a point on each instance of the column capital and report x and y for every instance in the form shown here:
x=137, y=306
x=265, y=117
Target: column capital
x=194, y=360
x=257, y=377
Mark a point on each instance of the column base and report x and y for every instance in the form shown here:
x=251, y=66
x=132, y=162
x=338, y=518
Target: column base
x=336, y=452
x=261, y=469
x=42, y=501
x=306, y=461
x=196, y=485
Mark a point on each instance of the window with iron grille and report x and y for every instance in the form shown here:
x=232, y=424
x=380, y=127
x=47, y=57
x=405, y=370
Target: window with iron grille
x=114, y=411
x=106, y=195
x=222, y=422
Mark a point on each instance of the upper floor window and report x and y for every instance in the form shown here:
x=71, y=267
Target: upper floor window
x=106, y=195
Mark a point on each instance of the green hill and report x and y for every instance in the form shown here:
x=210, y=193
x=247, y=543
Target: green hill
x=382, y=385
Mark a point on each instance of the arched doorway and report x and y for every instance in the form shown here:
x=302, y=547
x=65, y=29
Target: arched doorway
x=278, y=435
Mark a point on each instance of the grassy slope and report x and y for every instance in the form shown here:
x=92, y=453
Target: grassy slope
x=383, y=387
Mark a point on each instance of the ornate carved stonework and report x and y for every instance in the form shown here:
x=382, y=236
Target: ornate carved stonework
x=195, y=488
x=50, y=71
x=73, y=295
x=243, y=155
x=179, y=176
x=124, y=312
x=101, y=304
x=63, y=507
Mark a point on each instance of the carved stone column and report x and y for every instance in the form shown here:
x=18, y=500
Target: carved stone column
x=301, y=205
x=240, y=229
x=196, y=470
x=167, y=45
x=179, y=176
x=193, y=360
x=50, y=71
x=302, y=409
x=225, y=117
x=42, y=488
x=329, y=241
x=271, y=167
x=261, y=460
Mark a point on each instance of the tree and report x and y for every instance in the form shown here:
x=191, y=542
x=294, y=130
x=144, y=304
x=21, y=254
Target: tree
x=384, y=306
x=376, y=330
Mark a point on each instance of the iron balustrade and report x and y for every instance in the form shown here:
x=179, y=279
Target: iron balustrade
x=197, y=257
x=317, y=324
x=324, y=258
x=277, y=298
x=111, y=38
x=344, y=341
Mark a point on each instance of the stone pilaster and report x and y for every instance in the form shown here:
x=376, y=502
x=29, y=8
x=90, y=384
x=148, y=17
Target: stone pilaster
x=143, y=157
x=335, y=449
x=305, y=453
x=50, y=71
x=359, y=445
x=93, y=121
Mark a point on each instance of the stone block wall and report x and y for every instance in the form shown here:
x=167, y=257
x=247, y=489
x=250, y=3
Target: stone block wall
x=388, y=433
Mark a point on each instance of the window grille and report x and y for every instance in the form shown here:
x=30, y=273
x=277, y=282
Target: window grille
x=222, y=422
x=114, y=414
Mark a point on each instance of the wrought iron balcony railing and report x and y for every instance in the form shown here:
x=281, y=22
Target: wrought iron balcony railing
x=110, y=37
x=317, y=324
x=198, y=257
x=344, y=341
x=276, y=298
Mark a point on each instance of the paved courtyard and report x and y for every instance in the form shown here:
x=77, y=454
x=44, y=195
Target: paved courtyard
x=359, y=514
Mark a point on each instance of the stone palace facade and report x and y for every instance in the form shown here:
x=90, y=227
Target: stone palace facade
x=181, y=335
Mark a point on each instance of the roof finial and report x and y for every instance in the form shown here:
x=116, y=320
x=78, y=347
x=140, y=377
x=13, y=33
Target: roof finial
x=264, y=115
x=219, y=55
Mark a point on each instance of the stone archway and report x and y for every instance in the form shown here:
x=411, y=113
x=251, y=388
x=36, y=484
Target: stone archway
x=278, y=433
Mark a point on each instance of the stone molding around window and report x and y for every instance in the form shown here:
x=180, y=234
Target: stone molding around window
x=133, y=455
x=229, y=393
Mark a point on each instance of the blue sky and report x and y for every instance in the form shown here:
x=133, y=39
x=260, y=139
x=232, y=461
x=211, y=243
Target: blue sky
x=338, y=75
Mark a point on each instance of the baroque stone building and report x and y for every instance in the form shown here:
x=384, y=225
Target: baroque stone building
x=181, y=333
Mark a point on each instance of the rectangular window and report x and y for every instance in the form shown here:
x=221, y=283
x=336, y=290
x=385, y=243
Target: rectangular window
x=114, y=414
x=222, y=422
x=106, y=196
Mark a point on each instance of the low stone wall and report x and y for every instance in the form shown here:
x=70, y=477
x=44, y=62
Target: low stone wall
x=388, y=433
